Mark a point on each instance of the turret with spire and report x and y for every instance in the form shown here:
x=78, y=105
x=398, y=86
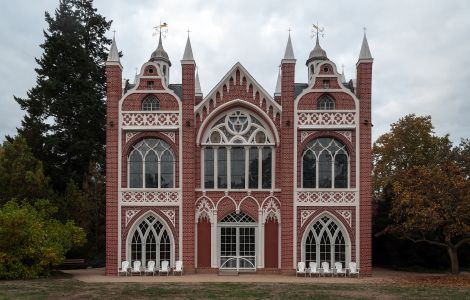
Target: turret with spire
x=161, y=58
x=316, y=55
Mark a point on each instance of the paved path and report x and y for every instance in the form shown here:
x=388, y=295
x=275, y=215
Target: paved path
x=379, y=276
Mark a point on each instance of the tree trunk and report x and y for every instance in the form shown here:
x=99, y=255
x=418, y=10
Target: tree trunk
x=454, y=259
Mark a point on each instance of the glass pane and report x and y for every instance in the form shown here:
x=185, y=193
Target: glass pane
x=222, y=168
x=150, y=248
x=267, y=167
x=325, y=248
x=136, y=247
x=209, y=168
x=340, y=249
x=253, y=168
x=167, y=170
x=164, y=247
x=325, y=170
x=238, y=168
x=151, y=170
x=135, y=170
x=309, y=176
x=341, y=171
x=310, y=249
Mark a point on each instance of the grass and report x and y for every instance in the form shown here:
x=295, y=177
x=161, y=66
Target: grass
x=60, y=287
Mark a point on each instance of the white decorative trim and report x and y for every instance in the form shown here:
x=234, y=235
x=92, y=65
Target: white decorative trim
x=148, y=120
x=311, y=119
x=205, y=207
x=305, y=214
x=139, y=197
x=346, y=133
x=130, y=135
x=304, y=135
x=271, y=209
x=130, y=214
x=170, y=214
x=170, y=134
x=326, y=197
x=346, y=214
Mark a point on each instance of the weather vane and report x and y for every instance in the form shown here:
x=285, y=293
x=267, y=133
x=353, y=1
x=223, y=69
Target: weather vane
x=161, y=29
x=317, y=30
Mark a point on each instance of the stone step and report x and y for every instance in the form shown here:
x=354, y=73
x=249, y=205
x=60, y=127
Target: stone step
x=224, y=272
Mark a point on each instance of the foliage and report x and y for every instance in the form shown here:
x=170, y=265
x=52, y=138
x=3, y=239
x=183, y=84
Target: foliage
x=65, y=117
x=31, y=241
x=422, y=186
x=21, y=174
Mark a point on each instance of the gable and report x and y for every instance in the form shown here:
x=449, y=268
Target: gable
x=238, y=84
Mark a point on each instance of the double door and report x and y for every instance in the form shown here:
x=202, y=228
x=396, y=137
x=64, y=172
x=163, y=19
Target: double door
x=237, y=249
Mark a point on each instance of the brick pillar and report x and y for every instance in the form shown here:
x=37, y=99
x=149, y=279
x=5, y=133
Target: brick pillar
x=189, y=163
x=114, y=94
x=364, y=93
x=286, y=173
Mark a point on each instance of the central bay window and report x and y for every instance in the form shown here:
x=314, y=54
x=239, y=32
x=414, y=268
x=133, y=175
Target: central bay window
x=325, y=164
x=151, y=164
x=237, y=153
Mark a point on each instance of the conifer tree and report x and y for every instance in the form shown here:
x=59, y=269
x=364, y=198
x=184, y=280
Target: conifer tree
x=65, y=111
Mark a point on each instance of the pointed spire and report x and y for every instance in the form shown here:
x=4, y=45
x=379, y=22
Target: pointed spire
x=317, y=53
x=197, y=85
x=113, y=55
x=277, y=92
x=289, y=53
x=343, y=78
x=365, y=51
x=188, y=51
x=160, y=53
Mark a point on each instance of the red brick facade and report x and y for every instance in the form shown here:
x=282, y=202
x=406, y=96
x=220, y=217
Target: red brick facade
x=282, y=214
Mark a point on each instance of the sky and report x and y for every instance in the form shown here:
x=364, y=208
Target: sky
x=421, y=49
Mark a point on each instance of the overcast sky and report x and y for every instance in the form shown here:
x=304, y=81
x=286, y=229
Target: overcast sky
x=421, y=49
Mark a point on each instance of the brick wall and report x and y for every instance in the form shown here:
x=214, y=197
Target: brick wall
x=113, y=85
x=364, y=93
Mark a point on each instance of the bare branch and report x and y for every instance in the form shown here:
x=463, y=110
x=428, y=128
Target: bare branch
x=427, y=241
x=461, y=242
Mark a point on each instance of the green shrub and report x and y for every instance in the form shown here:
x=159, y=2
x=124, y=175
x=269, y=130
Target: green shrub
x=31, y=241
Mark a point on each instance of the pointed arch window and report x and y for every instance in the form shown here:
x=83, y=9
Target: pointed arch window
x=325, y=102
x=325, y=164
x=151, y=164
x=150, y=242
x=238, y=153
x=325, y=242
x=151, y=103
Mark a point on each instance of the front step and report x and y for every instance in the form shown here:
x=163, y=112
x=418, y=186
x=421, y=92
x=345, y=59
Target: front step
x=224, y=272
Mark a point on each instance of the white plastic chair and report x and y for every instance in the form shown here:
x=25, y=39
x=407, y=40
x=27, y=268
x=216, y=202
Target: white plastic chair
x=150, y=268
x=136, y=267
x=325, y=266
x=339, y=269
x=313, y=269
x=124, y=268
x=353, y=270
x=164, y=268
x=300, y=269
x=178, y=267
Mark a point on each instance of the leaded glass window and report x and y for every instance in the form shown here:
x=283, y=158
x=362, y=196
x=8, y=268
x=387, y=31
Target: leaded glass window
x=151, y=103
x=325, y=242
x=241, y=155
x=325, y=102
x=151, y=164
x=325, y=164
x=150, y=242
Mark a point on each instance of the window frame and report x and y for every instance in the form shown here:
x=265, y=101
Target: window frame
x=253, y=135
x=151, y=100
x=343, y=150
x=326, y=102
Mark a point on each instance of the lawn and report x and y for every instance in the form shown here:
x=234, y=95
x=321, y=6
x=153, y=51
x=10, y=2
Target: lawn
x=63, y=286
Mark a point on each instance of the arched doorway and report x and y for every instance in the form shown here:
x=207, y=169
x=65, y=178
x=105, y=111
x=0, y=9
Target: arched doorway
x=150, y=240
x=237, y=243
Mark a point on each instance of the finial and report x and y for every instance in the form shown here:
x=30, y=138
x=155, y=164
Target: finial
x=342, y=68
x=365, y=54
x=289, y=53
x=188, y=31
x=114, y=33
x=317, y=30
x=161, y=29
x=365, y=30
